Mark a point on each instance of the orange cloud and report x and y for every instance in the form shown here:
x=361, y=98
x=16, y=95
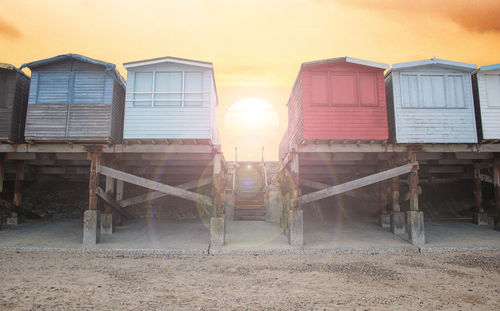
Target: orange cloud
x=8, y=30
x=478, y=16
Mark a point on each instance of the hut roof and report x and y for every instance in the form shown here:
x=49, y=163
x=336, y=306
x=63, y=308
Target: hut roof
x=489, y=67
x=168, y=59
x=438, y=62
x=348, y=60
x=111, y=68
x=13, y=68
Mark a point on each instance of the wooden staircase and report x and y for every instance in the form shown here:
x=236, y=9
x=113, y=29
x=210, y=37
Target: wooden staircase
x=249, y=191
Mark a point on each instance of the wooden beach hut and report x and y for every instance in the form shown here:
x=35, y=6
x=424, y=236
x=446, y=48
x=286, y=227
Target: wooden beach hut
x=337, y=99
x=486, y=84
x=14, y=87
x=430, y=101
x=171, y=98
x=74, y=98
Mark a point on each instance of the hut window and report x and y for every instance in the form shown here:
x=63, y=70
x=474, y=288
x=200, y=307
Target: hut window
x=493, y=90
x=409, y=91
x=368, y=89
x=456, y=93
x=343, y=89
x=143, y=87
x=431, y=90
x=53, y=88
x=168, y=89
x=319, y=88
x=193, y=89
x=89, y=88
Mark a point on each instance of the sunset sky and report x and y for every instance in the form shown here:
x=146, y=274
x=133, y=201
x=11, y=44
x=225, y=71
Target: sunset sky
x=256, y=46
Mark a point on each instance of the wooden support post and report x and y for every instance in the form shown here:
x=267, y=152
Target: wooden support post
x=479, y=216
x=413, y=183
x=414, y=217
x=92, y=217
x=296, y=213
x=107, y=217
x=18, y=193
x=18, y=183
x=2, y=171
x=120, y=186
x=93, y=180
x=496, y=183
x=217, y=224
x=385, y=218
x=396, y=208
x=478, y=192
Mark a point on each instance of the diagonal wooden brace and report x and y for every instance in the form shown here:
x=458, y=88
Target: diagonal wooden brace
x=358, y=183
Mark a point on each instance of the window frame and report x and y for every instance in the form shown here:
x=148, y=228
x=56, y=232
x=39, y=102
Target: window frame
x=204, y=101
x=357, y=88
x=447, y=89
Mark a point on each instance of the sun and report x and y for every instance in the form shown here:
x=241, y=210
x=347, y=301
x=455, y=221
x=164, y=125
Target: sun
x=251, y=114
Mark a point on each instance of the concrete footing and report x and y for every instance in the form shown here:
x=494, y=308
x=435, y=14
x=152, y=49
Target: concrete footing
x=384, y=221
x=398, y=225
x=296, y=228
x=415, y=227
x=107, y=225
x=480, y=219
x=13, y=219
x=91, y=227
x=217, y=231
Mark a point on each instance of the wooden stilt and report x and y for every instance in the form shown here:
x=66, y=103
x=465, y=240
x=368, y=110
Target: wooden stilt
x=478, y=193
x=2, y=171
x=94, y=162
x=296, y=213
x=496, y=183
x=217, y=224
x=18, y=183
x=383, y=196
x=413, y=183
x=395, y=195
x=120, y=186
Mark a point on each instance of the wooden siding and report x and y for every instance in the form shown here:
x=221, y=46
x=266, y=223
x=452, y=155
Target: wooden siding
x=344, y=101
x=487, y=93
x=432, y=105
x=171, y=122
x=293, y=134
x=74, y=101
x=13, y=100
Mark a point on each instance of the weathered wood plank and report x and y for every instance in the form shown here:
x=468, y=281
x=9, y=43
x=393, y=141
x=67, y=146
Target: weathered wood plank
x=355, y=184
x=154, y=185
x=157, y=194
x=2, y=171
x=18, y=184
x=93, y=180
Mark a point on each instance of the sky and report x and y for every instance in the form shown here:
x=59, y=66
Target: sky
x=256, y=46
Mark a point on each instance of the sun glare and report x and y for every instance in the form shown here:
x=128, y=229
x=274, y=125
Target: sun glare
x=251, y=113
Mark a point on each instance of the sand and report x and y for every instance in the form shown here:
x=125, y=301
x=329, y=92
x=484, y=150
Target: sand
x=119, y=281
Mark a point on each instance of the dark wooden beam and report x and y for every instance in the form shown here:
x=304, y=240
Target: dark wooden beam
x=154, y=185
x=355, y=184
x=93, y=180
x=112, y=202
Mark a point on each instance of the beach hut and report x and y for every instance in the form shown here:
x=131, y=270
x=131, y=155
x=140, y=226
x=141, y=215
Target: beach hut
x=171, y=98
x=430, y=101
x=486, y=84
x=337, y=99
x=14, y=87
x=74, y=98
